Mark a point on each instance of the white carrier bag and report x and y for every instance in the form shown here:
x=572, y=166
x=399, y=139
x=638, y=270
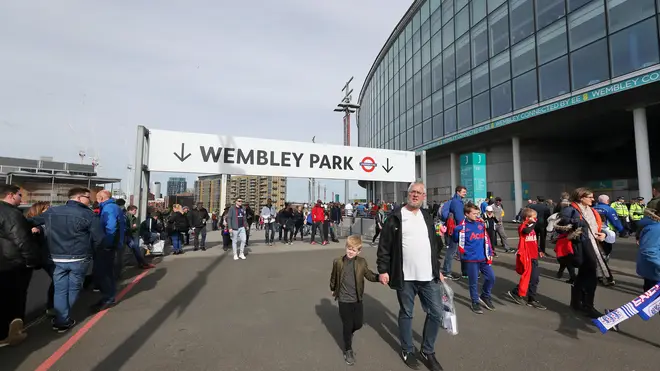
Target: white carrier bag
x=449, y=320
x=158, y=248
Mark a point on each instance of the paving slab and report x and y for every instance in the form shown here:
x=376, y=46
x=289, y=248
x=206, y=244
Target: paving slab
x=273, y=311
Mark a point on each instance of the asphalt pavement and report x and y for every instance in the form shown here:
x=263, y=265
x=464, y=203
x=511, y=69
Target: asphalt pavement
x=274, y=311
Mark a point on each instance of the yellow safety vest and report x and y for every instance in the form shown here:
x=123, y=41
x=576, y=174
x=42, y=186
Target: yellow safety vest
x=636, y=212
x=621, y=209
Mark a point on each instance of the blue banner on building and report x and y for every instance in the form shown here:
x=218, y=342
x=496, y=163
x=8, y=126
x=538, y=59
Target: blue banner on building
x=525, y=192
x=473, y=176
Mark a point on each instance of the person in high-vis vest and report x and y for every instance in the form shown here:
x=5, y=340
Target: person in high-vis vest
x=637, y=212
x=623, y=213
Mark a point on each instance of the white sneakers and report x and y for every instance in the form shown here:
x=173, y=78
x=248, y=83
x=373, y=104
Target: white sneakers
x=241, y=256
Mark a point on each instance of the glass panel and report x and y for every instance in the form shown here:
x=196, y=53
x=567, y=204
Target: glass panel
x=586, y=25
x=522, y=19
x=437, y=102
x=523, y=56
x=395, y=103
x=436, y=22
x=402, y=99
x=438, y=126
x=480, y=79
x=464, y=90
x=402, y=123
x=478, y=10
x=574, y=4
x=447, y=10
x=500, y=99
x=462, y=21
x=548, y=11
x=436, y=72
x=448, y=65
x=589, y=65
x=417, y=87
x=435, y=4
x=424, y=12
x=427, y=134
x=403, y=141
x=450, y=120
x=448, y=34
x=410, y=142
x=410, y=99
x=426, y=32
x=553, y=79
x=402, y=57
x=498, y=30
x=418, y=135
x=623, y=13
x=552, y=42
x=465, y=115
x=410, y=122
x=450, y=95
x=460, y=4
x=525, y=90
x=436, y=44
x=481, y=107
x=417, y=62
x=479, y=43
x=634, y=48
x=500, y=69
x=416, y=21
x=416, y=42
x=463, y=55
x=427, y=108
x=493, y=4
x=427, y=81
x=426, y=54
x=409, y=31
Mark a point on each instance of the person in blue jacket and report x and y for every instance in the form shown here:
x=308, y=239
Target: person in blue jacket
x=609, y=217
x=452, y=213
x=113, y=223
x=648, y=257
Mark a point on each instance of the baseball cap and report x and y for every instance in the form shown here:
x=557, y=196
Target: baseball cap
x=489, y=208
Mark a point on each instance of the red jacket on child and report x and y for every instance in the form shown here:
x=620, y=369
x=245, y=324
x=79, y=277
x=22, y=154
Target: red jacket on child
x=528, y=249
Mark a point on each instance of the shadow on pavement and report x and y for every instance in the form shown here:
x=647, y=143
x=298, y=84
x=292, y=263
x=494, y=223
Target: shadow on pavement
x=178, y=303
x=329, y=315
x=384, y=322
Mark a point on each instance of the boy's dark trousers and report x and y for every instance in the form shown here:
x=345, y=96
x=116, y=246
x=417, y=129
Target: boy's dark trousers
x=351, y=318
x=533, y=281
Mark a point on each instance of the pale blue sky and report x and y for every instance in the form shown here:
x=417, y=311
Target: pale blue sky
x=81, y=75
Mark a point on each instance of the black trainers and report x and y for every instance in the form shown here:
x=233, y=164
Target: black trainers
x=410, y=360
x=536, y=304
x=516, y=298
x=430, y=361
x=476, y=308
x=486, y=302
x=349, y=357
x=60, y=329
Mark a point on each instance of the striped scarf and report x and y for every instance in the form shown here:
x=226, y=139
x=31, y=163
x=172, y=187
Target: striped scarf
x=646, y=305
x=488, y=252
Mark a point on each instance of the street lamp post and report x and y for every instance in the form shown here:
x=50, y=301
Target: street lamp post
x=347, y=108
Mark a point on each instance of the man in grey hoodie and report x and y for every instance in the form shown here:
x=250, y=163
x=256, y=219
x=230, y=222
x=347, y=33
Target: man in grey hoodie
x=499, y=227
x=237, y=224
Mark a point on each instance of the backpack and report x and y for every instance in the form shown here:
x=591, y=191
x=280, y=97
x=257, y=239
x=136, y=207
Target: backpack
x=446, y=211
x=309, y=218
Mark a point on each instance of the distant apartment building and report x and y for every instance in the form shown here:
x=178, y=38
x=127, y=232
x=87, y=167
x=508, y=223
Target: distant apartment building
x=176, y=186
x=254, y=190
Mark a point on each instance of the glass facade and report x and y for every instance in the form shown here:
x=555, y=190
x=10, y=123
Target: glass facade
x=460, y=63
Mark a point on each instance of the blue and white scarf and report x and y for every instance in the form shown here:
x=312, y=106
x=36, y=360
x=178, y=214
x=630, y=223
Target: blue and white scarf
x=646, y=306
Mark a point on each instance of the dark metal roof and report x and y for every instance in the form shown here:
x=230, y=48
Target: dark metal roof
x=400, y=27
x=79, y=178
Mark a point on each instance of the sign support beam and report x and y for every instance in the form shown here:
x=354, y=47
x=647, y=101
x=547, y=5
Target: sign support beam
x=142, y=173
x=517, y=174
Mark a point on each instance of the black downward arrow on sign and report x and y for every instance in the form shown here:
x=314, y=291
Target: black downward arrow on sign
x=182, y=157
x=388, y=168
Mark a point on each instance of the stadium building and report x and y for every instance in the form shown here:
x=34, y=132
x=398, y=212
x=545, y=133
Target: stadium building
x=519, y=98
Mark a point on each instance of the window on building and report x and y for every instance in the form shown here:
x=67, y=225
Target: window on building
x=525, y=90
x=402, y=123
x=448, y=65
x=403, y=141
x=447, y=11
x=460, y=4
x=465, y=115
x=623, y=13
x=427, y=81
x=463, y=55
x=410, y=119
x=438, y=126
x=481, y=107
x=479, y=36
x=437, y=102
x=498, y=30
x=574, y=4
x=586, y=25
x=426, y=54
x=450, y=121
x=436, y=44
x=426, y=31
x=589, y=65
x=427, y=131
x=500, y=99
x=424, y=12
x=448, y=34
x=436, y=72
x=450, y=95
x=417, y=114
x=552, y=42
x=480, y=79
x=553, y=79
x=427, y=108
x=435, y=4
x=409, y=69
x=417, y=92
x=436, y=21
x=410, y=98
x=493, y=4
x=417, y=62
x=634, y=48
x=410, y=139
x=478, y=10
x=523, y=56
x=522, y=19
x=500, y=69
x=548, y=11
x=409, y=50
x=462, y=21
x=464, y=87
x=418, y=135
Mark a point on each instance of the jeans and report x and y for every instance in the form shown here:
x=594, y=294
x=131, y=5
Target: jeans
x=499, y=229
x=134, y=245
x=270, y=232
x=104, y=262
x=119, y=261
x=430, y=296
x=68, y=279
x=196, y=241
x=318, y=226
x=238, y=234
x=328, y=227
x=473, y=269
x=176, y=242
x=452, y=247
x=14, y=284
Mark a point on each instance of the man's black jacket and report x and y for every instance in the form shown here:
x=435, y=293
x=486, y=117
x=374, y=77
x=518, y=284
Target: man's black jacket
x=18, y=249
x=542, y=213
x=198, y=217
x=390, y=250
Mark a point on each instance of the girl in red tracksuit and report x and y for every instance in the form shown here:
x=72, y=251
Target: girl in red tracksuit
x=527, y=262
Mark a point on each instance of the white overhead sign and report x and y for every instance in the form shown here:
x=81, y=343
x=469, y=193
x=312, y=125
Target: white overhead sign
x=181, y=152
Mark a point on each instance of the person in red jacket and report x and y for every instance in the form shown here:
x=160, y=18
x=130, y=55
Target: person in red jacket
x=318, y=216
x=527, y=262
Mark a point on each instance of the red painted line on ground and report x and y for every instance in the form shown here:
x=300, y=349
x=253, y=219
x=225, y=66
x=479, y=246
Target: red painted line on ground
x=59, y=353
